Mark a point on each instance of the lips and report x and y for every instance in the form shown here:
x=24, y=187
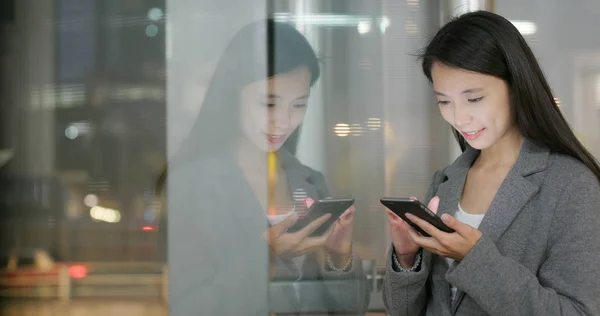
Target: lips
x=472, y=135
x=275, y=138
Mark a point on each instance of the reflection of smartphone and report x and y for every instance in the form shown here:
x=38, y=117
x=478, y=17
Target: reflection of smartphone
x=401, y=206
x=335, y=207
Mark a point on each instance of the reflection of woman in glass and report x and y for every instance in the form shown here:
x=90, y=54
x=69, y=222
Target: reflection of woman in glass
x=224, y=244
x=523, y=198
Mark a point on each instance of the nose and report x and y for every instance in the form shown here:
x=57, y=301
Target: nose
x=462, y=117
x=280, y=117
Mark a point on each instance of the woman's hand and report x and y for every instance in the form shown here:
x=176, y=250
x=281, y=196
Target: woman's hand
x=339, y=243
x=404, y=246
x=450, y=245
x=340, y=240
x=297, y=243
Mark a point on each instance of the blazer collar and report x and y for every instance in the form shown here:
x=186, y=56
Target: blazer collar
x=515, y=191
x=513, y=194
x=532, y=159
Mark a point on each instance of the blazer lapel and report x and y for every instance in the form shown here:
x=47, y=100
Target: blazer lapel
x=298, y=177
x=516, y=190
x=450, y=191
x=514, y=193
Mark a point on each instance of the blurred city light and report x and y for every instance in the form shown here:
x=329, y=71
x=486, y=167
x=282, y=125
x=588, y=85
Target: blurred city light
x=155, y=14
x=525, y=27
x=90, y=200
x=105, y=214
x=341, y=129
x=373, y=123
x=384, y=23
x=356, y=130
x=323, y=19
x=364, y=27
x=71, y=132
x=151, y=30
x=78, y=271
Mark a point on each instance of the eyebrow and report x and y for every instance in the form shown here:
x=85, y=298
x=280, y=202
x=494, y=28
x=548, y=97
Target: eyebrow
x=274, y=96
x=472, y=90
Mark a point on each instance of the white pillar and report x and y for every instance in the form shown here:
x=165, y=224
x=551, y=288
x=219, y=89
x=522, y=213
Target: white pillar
x=34, y=83
x=311, y=142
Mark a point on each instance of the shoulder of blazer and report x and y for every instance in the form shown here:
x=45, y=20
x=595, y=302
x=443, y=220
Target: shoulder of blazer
x=563, y=170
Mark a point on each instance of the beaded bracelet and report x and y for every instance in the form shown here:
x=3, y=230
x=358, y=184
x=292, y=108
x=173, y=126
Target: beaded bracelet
x=413, y=268
x=332, y=266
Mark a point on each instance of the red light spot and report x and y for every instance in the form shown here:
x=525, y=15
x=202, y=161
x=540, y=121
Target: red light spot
x=147, y=228
x=78, y=271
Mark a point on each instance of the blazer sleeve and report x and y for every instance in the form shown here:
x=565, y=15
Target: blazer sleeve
x=567, y=282
x=405, y=293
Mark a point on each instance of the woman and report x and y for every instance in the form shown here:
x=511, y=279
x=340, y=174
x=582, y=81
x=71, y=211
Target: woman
x=523, y=197
x=227, y=223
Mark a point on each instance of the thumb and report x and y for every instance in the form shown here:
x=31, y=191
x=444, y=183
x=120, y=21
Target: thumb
x=433, y=204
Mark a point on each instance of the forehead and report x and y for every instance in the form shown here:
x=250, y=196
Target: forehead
x=291, y=84
x=448, y=79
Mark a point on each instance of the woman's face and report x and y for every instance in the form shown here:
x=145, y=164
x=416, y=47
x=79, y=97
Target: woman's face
x=475, y=104
x=272, y=109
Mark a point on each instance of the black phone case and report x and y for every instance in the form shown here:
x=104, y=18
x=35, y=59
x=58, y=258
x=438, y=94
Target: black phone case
x=401, y=206
x=335, y=207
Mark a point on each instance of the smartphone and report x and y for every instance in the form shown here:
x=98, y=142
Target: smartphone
x=335, y=207
x=401, y=206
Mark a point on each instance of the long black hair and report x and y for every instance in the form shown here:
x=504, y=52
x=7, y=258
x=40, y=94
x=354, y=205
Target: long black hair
x=487, y=43
x=258, y=51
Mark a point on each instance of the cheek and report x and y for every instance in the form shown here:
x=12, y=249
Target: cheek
x=253, y=117
x=447, y=114
x=501, y=116
x=297, y=118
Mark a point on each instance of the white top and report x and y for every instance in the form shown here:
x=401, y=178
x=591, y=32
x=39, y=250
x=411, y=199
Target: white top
x=473, y=220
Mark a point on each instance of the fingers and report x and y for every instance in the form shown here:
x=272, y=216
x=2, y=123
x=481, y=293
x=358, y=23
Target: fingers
x=311, y=243
x=330, y=231
x=310, y=228
x=395, y=220
x=348, y=215
x=461, y=228
x=428, y=228
x=392, y=217
x=308, y=244
x=422, y=241
x=279, y=229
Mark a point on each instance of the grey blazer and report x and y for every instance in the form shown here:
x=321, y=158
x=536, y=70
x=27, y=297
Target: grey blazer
x=540, y=250
x=218, y=260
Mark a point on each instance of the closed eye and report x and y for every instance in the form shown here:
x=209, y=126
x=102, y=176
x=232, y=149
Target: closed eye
x=269, y=105
x=300, y=106
x=443, y=102
x=475, y=100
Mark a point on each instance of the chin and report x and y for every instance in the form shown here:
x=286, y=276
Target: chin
x=273, y=148
x=479, y=144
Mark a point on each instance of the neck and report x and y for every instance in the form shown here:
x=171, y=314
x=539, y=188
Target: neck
x=250, y=158
x=503, y=153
